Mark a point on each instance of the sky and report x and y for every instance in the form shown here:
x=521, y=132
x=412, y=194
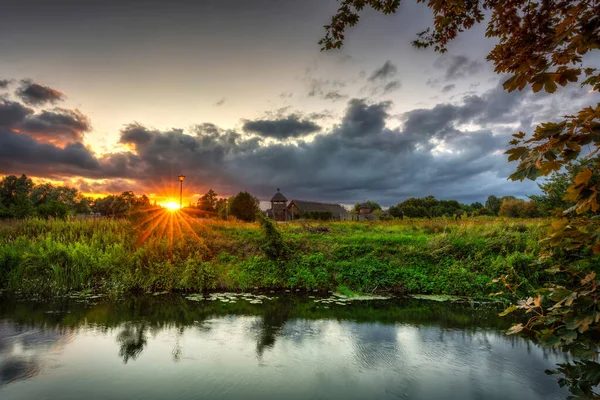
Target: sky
x=236, y=95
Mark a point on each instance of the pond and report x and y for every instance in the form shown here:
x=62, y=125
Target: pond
x=261, y=347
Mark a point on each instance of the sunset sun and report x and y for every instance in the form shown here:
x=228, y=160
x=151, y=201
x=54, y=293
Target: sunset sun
x=171, y=206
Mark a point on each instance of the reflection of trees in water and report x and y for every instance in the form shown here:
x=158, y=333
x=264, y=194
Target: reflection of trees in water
x=132, y=340
x=269, y=327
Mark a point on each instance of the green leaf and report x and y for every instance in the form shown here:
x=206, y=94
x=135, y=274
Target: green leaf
x=508, y=310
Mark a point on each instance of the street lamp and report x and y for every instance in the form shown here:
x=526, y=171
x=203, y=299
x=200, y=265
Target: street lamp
x=181, y=178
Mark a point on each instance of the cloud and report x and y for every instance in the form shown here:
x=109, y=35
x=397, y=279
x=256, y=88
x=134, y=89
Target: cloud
x=392, y=86
x=457, y=66
x=4, y=83
x=326, y=89
x=59, y=126
x=220, y=102
x=385, y=72
x=448, y=88
x=12, y=113
x=35, y=94
x=21, y=153
x=452, y=150
x=290, y=127
x=334, y=95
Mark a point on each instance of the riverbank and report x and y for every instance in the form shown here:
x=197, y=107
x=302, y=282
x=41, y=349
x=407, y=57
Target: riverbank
x=168, y=252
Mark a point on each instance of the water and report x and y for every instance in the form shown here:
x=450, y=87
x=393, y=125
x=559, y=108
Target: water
x=160, y=347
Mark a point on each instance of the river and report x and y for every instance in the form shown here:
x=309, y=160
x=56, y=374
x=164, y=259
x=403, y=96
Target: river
x=265, y=347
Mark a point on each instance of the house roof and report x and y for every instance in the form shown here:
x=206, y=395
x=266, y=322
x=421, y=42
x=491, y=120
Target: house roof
x=278, y=196
x=308, y=206
x=365, y=205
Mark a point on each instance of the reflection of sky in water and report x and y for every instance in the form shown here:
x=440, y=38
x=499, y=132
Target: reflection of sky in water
x=251, y=357
x=24, y=352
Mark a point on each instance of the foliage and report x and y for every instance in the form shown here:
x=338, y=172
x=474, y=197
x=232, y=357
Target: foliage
x=272, y=244
x=244, y=206
x=21, y=198
x=430, y=207
x=40, y=257
x=208, y=202
x=493, y=204
x=371, y=204
x=555, y=188
x=518, y=209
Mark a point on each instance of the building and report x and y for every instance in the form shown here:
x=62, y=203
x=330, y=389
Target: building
x=299, y=208
x=278, y=211
x=282, y=211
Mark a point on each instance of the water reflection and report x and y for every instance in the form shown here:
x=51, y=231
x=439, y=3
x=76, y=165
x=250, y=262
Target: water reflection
x=132, y=340
x=20, y=349
x=153, y=348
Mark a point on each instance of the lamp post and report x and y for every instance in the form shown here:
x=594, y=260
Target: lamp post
x=181, y=178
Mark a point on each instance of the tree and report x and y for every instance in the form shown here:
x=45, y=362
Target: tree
x=14, y=197
x=244, y=206
x=541, y=44
x=372, y=205
x=476, y=206
x=555, y=189
x=493, y=204
x=208, y=202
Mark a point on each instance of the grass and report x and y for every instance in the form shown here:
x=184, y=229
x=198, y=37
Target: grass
x=170, y=253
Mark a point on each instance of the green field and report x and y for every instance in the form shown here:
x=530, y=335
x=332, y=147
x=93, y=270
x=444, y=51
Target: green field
x=170, y=253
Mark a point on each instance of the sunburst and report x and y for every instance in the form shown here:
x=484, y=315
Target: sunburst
x=171, y=206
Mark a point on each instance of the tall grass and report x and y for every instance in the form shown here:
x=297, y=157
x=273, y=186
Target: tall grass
x=39, y=257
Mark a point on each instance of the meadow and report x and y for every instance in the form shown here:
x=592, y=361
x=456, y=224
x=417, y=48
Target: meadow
x=171, y=252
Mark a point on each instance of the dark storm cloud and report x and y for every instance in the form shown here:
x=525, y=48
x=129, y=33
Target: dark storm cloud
x=457, y=66
x=35, y=94
x=12, y=113
x=453, y=150
x=20, y=153
x=290, y=127
x=4, y=83
x=57, y=126
x=135, y=134
x=448, y=88
x=385, y=72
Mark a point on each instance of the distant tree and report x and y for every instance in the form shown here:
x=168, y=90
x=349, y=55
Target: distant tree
x=221, y=207
x=493, y=204
x=244, y=206
x=511, y=208
x=54, y=209
x=476, y=206
x=208, y=202
x=373, y=205
x=142, y=201
x=14, y=197
x=484, y=211
x=113, y=206
x=554, y=189
x=518, y=208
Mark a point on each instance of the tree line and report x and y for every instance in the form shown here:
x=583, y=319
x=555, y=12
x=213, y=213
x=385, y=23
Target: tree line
x=21, y=198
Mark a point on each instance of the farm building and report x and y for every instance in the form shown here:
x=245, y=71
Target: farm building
x=282, y=211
